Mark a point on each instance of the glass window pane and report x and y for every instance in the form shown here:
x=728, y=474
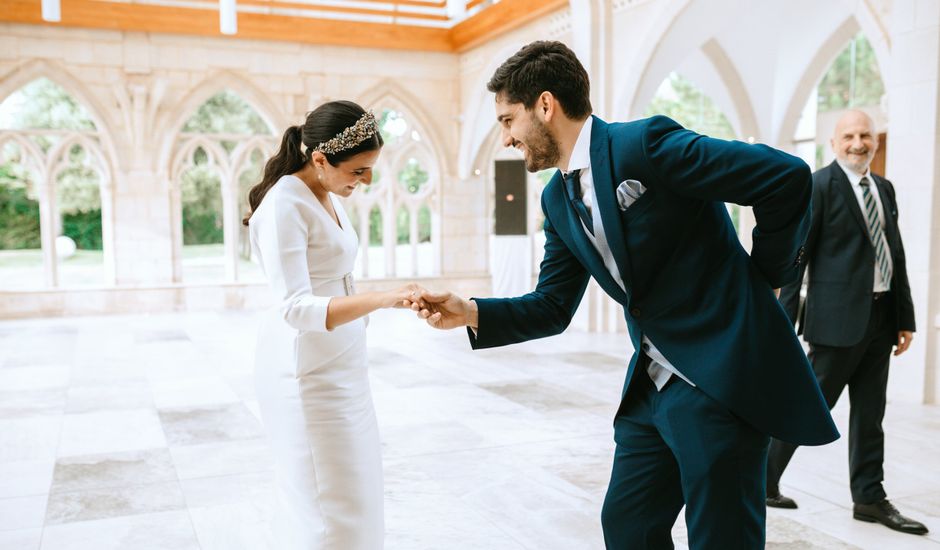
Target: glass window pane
x=404, y=258
x=226, y=113
x=20, y=243
x=392, y=126
x=425, y=252
x=679, y=99
x=249, y=268
x=412, y=177
x=79, y=247
x=43, y=104
x=376, y=249
x=201, y=197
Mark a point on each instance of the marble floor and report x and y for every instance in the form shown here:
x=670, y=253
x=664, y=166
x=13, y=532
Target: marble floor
x=142, y=432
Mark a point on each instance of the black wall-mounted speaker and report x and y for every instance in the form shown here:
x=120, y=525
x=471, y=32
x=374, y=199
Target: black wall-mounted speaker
x=510, y=214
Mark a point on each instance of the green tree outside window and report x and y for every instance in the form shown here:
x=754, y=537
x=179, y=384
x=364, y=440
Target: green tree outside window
x=853, y=79
x=679, y=99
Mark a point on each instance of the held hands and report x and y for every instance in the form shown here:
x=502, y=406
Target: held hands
x=403, y=297
x=444, y=310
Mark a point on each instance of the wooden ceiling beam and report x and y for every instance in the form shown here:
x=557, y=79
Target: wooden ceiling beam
x=173, y=20
x=338, y=9
x=489, y=23
x=499, y=19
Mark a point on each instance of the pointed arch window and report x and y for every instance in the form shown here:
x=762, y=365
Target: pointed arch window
x=402, y=203
x=219, y=155
x=55, y=185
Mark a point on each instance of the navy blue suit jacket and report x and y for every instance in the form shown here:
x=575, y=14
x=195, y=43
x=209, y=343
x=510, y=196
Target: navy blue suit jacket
x=705, y=303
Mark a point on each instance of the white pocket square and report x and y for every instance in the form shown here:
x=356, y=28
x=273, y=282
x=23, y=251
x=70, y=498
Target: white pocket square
x=628, y=192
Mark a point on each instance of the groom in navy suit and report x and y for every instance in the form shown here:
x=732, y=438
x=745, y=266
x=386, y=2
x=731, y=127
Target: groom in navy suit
x=718, y=369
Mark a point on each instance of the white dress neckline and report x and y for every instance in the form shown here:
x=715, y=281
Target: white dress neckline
x=337, y=208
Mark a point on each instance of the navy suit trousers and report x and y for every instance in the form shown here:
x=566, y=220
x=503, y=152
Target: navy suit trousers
x=680, y=447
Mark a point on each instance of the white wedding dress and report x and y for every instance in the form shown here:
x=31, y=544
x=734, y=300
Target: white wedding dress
x=311, y=383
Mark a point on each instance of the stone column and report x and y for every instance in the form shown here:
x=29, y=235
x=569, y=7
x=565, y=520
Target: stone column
x=913, y=165
x=142, y=241
x=591, y=40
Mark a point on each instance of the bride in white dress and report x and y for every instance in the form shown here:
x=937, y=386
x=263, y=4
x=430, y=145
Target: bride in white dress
x=310, y=366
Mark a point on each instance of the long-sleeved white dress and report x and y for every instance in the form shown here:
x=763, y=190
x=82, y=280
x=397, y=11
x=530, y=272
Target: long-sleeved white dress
x=312, y=384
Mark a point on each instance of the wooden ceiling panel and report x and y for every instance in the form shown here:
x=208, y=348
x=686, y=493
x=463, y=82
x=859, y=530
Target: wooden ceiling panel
x=432, y=35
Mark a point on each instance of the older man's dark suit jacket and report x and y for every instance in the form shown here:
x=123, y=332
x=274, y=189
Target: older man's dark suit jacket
x=704, y=301
x=841, y=261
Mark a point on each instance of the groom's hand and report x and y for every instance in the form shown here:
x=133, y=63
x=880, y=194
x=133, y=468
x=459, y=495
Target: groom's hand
x=446, y=310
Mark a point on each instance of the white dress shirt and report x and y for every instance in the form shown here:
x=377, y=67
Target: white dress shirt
x=880, y=284
x=660, y=370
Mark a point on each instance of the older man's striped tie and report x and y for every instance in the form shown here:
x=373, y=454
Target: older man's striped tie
x=876, y=232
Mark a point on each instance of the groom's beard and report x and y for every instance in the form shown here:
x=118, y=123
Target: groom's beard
x=542, y=147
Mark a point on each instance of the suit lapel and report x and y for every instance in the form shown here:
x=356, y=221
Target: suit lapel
x=607, y=201
x=841, y=181
x=584, y=249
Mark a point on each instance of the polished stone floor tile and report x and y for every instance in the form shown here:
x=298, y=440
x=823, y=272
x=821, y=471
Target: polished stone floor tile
x=22, y=403
x=29, y=438
x=103, y=374
x=143, y=433
x=22, y=512
x=159, y=335
x=25, y=478
x=191, y=392
x=241, y=525
x=194, y=426
x=92, y=504
x=113, y=470
x=255, y=487
x=839, y=525
x=222, y=458
x=784, y=533
x=29, y=378
x=542, y=397
x=428, y=437
x=20, y=539
x=119, y=393
x=160, y=531
x=110, y=431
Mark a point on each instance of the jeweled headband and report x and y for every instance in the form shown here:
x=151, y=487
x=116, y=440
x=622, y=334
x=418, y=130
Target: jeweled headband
x=363, y=129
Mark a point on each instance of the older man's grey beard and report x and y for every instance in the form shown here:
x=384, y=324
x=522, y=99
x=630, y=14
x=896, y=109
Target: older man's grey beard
x=859, y=166
x=542, y=146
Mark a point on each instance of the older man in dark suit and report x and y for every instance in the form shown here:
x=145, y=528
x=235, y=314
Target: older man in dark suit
x=858, y=306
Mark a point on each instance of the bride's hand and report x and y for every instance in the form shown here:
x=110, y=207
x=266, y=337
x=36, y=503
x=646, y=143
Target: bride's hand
x=404, y=297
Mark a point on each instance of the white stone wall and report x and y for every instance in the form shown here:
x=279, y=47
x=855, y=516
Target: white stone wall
x=141, y=88
x=913, y=165
x=760, y=60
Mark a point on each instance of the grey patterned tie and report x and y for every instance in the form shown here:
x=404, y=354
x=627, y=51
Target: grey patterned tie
x=876, y=232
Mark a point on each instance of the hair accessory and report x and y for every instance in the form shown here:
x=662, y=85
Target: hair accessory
x=363, y=129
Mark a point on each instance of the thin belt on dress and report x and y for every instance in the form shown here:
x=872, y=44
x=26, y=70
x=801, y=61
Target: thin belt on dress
x=343, y=286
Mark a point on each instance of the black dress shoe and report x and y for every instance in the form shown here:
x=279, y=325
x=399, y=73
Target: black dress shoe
x=776, y=500
x=885, y=513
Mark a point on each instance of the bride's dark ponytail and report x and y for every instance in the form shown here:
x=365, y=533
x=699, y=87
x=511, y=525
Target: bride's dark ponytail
x=322, y=124
x=289, y=159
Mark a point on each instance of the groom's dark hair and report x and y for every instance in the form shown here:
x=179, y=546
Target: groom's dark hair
x=544, y=66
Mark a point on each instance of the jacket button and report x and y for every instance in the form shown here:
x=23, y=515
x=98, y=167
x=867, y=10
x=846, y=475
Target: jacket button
x=635, y=312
